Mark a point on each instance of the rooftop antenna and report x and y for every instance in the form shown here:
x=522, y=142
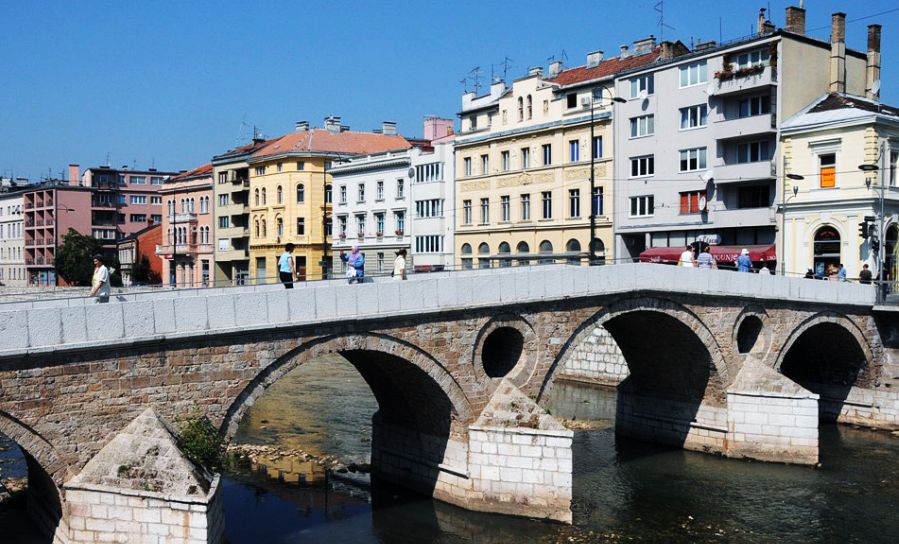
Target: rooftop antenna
x=660, y=9
x=464, y=82
x=476, y=79
x=562, y=57
x=507, y=63
x=720, y=30
x=107, y=158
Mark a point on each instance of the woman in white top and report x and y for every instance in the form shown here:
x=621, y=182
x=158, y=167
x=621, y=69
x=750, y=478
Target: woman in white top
x=399, y=265
x=686, y=258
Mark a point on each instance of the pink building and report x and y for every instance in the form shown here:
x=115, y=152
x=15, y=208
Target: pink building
x=186, y=250
x=50, y=210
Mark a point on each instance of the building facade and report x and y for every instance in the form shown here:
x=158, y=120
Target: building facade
x=698, y=156
x=523, y=165
x=291, y=194
x=12, y=242
x=138, y=261
x=833, y=214
x=50, y=210
x=187, y=250
x=432, y=188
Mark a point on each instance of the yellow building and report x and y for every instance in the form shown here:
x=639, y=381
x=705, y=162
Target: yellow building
x=523, y=166
x=825, y=144
x=290, y=195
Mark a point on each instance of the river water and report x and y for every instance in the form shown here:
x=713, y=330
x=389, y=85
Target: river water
x=624, y=491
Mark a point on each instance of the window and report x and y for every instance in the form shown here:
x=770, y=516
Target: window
x=643, y=166
x=256, y=196
x=485, y=164
x=466, y=261
x=280, y=195
x=379, y=224
x=263, y=196
x=597, y=147
x=121, y=179
x=155, y=200
x=759, y=57
x=547, y=199
x=341, y=226
x=692, y=159
x=138, y=218
x=429, y=244
x=360, y=192
x=223, y=177
x=642, y=126
x=694, y=117
x=280, y=166
x=400, y=188
x=598, y=201
x=301, y=226
x=429, y=208
x=138, y=180
x=360, y=225
x=505, y=160
x=156, y=218
x=156, y=180
x=520, y=108
x=642, y=83
x=530, y=107
x=506, y=208
x=484, y=252
x=329, y=194
x=225, y=222
x=894, y=161
x=574, y=203
x=758, y=196
x=301, y=165
x=260, y=170
x=752, y=152
x=689, y=202
x=301, y=193
x=343, y=194
x=279, y=226
x=694, y=74
x=122, y=199
x=204, y=204
x=485, y=211
x=642, y=206
x=756, y=105
x=379, y=190
x=466, y=212
x=474, y=122
x=220, y=225
x=525, y=207
x=546, y=248
x=547, y=154
x=429, y=172
x=574, y=151
x=827, y=170
x=399, y=218
x=571, y=100
x=138, y=199
x=525, y=157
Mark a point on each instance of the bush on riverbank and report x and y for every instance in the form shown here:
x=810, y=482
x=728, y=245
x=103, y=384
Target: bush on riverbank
x=202, y=443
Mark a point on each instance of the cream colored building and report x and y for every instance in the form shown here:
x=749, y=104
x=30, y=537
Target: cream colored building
x=523, y=166
x=12, y=242
x=825, y=143
x=290, y=195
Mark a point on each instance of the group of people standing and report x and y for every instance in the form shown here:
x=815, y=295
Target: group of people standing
x=355, y=266
x=689, y=259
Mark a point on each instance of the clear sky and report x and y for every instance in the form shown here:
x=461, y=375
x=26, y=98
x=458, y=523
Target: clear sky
x=172, y=83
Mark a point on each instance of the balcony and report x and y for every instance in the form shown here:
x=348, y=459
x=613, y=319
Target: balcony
x=168, y=250
x=750, y=171
x=724, y=85
x=233, y=232
x=232, y=254
x=188, y=217
x=745, y=217
x=102, y=204
x=757, y=125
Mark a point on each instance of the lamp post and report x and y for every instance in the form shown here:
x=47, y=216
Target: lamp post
x=881, y=229
x=591, y=244
x=783, y=220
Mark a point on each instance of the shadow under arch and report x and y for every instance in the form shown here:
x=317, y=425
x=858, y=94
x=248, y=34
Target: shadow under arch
x=421, y=408
x=675, y=366
x=46, y=473
x=828, y=355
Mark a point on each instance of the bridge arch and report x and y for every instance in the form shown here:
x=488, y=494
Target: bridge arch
x=751, y=333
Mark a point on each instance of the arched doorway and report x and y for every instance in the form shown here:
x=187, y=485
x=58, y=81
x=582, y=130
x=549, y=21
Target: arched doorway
x=546, y=251
x=504, y=251
x=573, y=249
x=466, y=256
x=523, y=249
x=484, y=255
x=826, y=251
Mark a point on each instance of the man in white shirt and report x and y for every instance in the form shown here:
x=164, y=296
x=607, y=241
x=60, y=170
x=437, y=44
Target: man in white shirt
x=686, y=258
x=100, y=280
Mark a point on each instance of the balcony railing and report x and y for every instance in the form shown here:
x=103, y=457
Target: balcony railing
x=745, y=126
x=734, y=83
x=187, y=217
x=735, y=173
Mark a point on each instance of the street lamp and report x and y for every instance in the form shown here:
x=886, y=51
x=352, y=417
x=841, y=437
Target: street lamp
x=881, y=236
x=783, y=226
x=591, y=244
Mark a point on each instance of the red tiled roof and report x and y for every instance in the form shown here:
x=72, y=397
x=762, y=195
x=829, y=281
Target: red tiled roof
x=244, y=149
x=205, y=170
x=605, y=68
x=324, y=141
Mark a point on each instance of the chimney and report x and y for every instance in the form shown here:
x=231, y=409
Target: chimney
x=768, y=27
x=302, y=126
x=760, y=27
x=332, y=123
x=872, y=68
x=555, y=67
x=623, y=53
x=389, y=128
x=702, y=46
x=646, y=45
x=594, y=58
x=74, y=175
x=536, y=71
x=437, y=127
x=795, y=20
x=838, y=53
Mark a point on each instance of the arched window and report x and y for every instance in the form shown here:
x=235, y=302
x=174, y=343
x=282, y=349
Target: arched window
x=263, y=196
x=257, y=228
x=264, y=230
x=504, y=249
x=204, y=204
x=279, y=225
x=280, y=195
x=573, y=248
x=599, y=251
x=256, y=193
x=484, y=255
x=546, y=248
x=523, y=248
x=466, y=249
x=520, y=109
x=530, y=107
x=171, y=237
x=301, y=193
x=192, y=208
x=183, y=206
x=827, y=251
x=466, y=258
x=171, y=205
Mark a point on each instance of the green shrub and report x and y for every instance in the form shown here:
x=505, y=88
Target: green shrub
x=202, y=443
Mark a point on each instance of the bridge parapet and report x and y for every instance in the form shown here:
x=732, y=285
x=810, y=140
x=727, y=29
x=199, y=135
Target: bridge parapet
x=172, y=315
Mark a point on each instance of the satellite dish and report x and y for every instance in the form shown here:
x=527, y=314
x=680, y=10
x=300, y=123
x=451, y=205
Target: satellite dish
x=411, y=172
x=585, y=102
x=702, y=204
x=875, y=87
x=643, y=94
x=711, y=89
x=707, y=176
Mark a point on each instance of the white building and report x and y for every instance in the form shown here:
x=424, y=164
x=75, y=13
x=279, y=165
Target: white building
x=432, y=192
x=12, y=242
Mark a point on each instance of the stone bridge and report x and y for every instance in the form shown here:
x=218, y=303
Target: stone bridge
x=461, y=364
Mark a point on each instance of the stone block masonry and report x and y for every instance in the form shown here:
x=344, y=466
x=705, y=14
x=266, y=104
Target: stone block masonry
x=596, y=360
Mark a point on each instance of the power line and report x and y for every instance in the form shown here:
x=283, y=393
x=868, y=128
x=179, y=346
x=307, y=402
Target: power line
x=862, y=18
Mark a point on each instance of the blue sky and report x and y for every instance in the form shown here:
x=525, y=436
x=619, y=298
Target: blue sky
x=172, y=83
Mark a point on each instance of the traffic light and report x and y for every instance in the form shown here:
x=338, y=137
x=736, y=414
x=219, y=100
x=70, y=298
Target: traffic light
x=863, y=230
x=875, y=244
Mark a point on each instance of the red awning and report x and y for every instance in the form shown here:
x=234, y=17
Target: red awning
x=722, y=254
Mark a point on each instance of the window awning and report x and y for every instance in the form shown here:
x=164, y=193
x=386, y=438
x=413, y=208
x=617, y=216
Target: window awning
x=721, y=254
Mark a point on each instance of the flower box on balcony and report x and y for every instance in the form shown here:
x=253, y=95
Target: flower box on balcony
x=398, y=232
x=342, y=236
x=379, y=234
x=360, y=235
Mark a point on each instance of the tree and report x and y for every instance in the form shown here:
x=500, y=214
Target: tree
x=141, y=272
x=74, y=258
